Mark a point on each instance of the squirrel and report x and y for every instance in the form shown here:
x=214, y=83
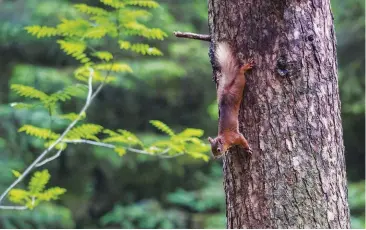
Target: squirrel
x=229, y=97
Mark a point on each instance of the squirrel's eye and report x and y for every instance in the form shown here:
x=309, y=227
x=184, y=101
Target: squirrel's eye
x=218, y=149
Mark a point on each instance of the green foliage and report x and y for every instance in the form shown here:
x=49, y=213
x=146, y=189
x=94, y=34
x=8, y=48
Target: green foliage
x=356, y=196
x=38, y=132
x=142, y=3
x=140, y=48
x=47, y=216
x=213, y=110
x=85, y=131
x=213, y=195
x=36, y=192
x=41, y=31
x=146, y=214
x=28, y=91
x=163, y=127
x=48, y=101
x=76, y=38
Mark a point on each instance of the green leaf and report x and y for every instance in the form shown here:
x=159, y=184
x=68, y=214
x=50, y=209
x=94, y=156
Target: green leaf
x=120, y=151
x=163, y=127
x=72, y=116
x=189, y=132
x=87, y=131
x=104, y=55
x=91, y=10
x=16, y=173
x=51, y=194
x=38, y=132
x=143, y=3
x=28, y=91
x=18, y=196
x=38, y=182
x=41, y=31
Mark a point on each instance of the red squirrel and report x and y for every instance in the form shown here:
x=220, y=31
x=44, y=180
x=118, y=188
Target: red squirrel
x=229, y=97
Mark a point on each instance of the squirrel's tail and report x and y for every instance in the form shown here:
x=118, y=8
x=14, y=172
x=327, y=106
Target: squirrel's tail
x=227, y=61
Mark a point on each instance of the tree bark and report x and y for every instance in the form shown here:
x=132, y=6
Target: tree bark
x=290, y=115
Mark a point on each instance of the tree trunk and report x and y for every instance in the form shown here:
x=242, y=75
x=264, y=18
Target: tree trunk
x=290, y=115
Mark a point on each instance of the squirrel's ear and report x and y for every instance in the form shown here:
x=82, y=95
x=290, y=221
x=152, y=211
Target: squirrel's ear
x=210, y=139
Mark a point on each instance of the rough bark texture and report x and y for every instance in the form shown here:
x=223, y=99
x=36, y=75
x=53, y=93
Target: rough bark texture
x=290, y=115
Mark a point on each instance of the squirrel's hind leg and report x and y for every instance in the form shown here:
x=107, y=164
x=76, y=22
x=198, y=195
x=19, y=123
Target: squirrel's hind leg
x=247, y=66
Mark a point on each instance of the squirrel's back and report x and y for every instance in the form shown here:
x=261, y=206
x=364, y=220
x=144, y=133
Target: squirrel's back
x=227, y=61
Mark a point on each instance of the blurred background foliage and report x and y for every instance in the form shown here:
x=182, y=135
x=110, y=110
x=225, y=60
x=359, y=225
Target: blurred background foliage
x=137, y=191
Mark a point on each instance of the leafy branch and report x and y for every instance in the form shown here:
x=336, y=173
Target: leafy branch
x=117, y=23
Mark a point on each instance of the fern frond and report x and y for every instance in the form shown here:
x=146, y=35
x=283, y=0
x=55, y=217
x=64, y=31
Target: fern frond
x=124, y=45
x=91, y=10
x=41, y=31
x=111, y=132
x=82, y=73
x=129, y=15
x=140, y=48
x=163, y=127
x=18, y=196
x=77, y=27
x=177, y=148
x=132, y=138
x=104, y=55
x=72, y=116
x=36, y=192
x=96, y=32
x=38, y=181
x=51, y=194
x=66, y=94
x=135, y=28
x=115, y=67
x=101, y=25
x=85, y=131
x=28, y=91
x=146, y=49
x=142, y=3
x=38, y=132
x=126, y=138
x=113, y=3
x=75, y=49
x=191, y=133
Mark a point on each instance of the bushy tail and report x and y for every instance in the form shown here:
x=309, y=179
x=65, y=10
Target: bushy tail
x=227, y=61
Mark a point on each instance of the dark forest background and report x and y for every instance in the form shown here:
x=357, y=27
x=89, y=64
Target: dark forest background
x=134, y=191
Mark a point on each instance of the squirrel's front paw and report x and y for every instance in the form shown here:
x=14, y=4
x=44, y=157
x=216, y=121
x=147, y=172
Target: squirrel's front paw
x=249, y=151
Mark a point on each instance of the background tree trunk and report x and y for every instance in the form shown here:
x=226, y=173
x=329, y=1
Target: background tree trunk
x=290, y=115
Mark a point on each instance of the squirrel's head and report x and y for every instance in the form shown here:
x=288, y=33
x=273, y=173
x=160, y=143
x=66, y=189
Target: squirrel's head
x=217, y=147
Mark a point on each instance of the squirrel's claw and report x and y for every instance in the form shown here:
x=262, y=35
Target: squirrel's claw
x=249, y=151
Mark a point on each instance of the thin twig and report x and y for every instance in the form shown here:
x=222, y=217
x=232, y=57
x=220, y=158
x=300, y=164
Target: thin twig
x=173, y=156
x=83, y=141
x=45, y=152
x=129, y=149
x=91, y=143
x=202, y=37
x=90, y=84
x=14, y=207
x=49, y=159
